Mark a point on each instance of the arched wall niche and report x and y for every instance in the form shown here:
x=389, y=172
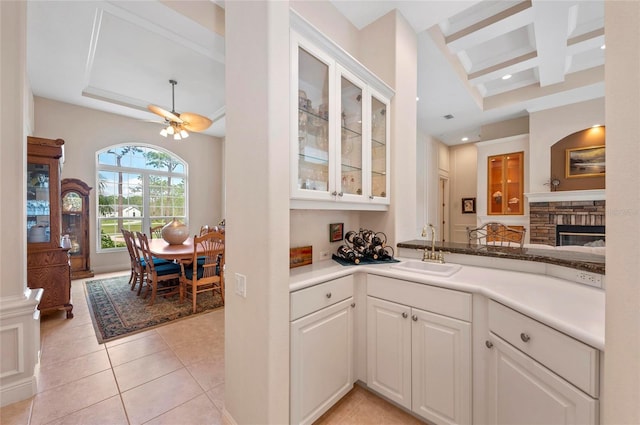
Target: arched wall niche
x=594, y=136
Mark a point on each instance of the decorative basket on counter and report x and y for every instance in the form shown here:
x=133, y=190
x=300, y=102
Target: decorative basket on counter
x=364, y=246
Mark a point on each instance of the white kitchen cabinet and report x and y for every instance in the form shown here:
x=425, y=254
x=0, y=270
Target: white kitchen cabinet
x=322, y=344
x=538, y=375
x=420, y=359
x=339, y=128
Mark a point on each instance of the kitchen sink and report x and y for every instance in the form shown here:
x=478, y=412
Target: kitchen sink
x=437, y=269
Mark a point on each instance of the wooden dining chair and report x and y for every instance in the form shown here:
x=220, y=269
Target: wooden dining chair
x=155, y=232
x=496, y=234
x=158, y=277
x=137, y=265
x=206, y=271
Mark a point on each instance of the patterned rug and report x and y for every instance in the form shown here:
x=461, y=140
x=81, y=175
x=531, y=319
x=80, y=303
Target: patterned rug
x=118, y=311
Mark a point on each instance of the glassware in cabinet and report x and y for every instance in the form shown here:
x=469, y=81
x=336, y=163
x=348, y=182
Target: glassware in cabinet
x=379, y=154
x=505, y=184
x=313, y=123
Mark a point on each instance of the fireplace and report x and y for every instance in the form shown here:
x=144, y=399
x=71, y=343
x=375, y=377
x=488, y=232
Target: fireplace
x=546, y=215
x=580, y=235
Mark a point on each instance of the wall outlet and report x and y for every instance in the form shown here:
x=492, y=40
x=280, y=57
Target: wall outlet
x=591, y=279
x=241, y=285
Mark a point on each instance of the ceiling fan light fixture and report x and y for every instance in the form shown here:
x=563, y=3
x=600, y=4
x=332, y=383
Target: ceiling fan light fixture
x=179, y=123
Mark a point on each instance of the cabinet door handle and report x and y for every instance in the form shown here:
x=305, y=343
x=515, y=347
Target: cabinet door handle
x=341, y=194
x=415, y=318
x=370, y=196
x=328, y=294
x=353, y=305
x=524, y=337
x=488, y=343
x=334, y=193
x=405, y=315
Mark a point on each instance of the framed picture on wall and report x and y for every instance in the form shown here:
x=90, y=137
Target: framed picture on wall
x=336, y=232
x=585, y=162
x=468, y=205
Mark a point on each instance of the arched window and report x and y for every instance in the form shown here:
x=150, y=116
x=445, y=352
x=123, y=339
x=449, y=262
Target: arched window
x=138, y=187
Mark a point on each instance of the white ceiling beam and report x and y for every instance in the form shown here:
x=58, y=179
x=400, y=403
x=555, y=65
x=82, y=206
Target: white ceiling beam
x=504, y=22
x=512, y=66
x=551, y=28
x=585, y=42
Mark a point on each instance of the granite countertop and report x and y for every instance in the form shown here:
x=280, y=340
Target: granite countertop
x=578, y=260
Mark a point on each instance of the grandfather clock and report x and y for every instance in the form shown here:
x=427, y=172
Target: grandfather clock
x=75, y=224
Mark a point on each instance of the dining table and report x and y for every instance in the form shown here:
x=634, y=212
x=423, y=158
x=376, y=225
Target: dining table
x=181, y=252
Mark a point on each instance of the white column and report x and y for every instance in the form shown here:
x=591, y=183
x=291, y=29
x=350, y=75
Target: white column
x=621, y=387
x=19, y=320
x=257, y=212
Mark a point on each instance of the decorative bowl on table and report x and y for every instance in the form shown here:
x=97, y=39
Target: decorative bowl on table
x=175, y=232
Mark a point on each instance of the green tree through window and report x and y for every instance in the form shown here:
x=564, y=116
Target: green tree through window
x=138, y=187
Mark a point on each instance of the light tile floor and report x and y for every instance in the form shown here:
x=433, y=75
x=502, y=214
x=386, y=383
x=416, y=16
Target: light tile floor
x=171, y=375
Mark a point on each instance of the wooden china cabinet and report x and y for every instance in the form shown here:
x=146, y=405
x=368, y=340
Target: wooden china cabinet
x=75, y=225
x=47, y=262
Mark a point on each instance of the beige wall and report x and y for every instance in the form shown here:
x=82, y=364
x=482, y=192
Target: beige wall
x=86, y=131
x=549, y=126
x=621, y=386
x=463, y=184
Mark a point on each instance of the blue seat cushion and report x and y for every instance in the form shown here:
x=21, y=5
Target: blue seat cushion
x=156, y=261
x=167, y=268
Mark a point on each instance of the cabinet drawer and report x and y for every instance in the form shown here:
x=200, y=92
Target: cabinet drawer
x=308, y=300
x=447, y=302
x=576, y=362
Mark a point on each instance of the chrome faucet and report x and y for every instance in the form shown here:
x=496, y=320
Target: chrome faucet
x=431, y=255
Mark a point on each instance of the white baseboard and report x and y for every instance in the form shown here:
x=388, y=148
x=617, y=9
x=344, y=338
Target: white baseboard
x=18, y=391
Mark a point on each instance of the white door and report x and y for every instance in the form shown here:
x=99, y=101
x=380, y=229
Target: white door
x=441, y=363
x=522, y=391
x=389, y=350
x=321, y=361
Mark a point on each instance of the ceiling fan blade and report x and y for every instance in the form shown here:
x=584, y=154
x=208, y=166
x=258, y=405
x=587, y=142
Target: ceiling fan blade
x=165, y=114
x=195, y=122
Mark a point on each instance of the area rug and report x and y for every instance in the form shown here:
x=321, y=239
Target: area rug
x=117, y=311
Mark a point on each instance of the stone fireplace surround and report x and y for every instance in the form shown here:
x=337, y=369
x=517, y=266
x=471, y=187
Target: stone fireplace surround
x=556, y=208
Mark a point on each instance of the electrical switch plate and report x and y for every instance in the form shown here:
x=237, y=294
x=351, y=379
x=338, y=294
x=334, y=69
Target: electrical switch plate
x=241, y=285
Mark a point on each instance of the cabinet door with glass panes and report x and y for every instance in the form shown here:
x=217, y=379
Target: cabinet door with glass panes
x=339, y=134
x=505, y=181
x=313, y=149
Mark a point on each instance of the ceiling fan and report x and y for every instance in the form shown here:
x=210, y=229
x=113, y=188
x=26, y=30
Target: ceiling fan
x=178, y=125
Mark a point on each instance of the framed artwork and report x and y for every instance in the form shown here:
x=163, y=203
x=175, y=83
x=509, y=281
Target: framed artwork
x=336, y=232
x=468, y=205
x=585, y=162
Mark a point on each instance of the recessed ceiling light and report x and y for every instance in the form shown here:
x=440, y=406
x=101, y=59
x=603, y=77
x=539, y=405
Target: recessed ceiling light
x=464, y=139
x=604, y=46
x=417, y=98
x=506, y=77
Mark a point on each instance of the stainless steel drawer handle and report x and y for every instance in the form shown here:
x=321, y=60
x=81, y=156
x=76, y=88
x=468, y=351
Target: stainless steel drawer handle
x=524, y=337
x=328, y=294
x=405, y=315
x=488, y=343
x=415, y=318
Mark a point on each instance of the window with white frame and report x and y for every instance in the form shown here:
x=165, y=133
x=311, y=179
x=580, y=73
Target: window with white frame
x=138, y=187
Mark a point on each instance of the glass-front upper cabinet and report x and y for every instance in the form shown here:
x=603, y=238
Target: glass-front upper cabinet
x=379, y=151
x=505, y=180
x=43, y=193
x=339, y=135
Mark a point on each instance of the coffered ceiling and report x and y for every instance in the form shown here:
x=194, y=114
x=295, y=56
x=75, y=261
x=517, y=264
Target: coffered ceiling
x=117, y=56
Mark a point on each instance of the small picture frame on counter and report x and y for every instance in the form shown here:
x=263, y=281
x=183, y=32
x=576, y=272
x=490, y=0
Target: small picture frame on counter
x=468, y=205
x=336, y=232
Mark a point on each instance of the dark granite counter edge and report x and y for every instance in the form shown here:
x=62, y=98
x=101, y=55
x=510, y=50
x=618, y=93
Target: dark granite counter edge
x=576, y=260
